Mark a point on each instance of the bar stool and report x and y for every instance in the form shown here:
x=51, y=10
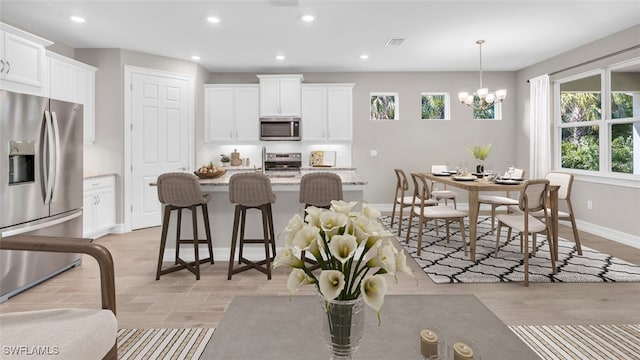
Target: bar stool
x=252, y=191
x=318, y=189
x=178, y=191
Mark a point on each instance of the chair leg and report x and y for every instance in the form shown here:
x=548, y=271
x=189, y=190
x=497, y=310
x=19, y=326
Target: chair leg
x=498, y=236
x=272, y=232
x=163, y=239
x=265, y=234
x=455, y=205
x=243, y=223
x=464, y=240
x=421, y=220
x=393, y=212
x=576, y=236
x=493, y=217
x=446, y=222
x=400, y=219
x=234, y=237
x=526, y=260
x=196, y=243
x=207, y=229
x=406, y=240
x=178, y=226
x=534, y=244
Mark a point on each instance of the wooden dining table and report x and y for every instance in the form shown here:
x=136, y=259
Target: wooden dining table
x=474, y=187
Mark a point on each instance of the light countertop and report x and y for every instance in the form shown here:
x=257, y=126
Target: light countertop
x=348, y=178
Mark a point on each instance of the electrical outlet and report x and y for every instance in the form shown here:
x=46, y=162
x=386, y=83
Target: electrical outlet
x=589, y=205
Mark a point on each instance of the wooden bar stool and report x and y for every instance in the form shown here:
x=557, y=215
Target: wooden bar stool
x=251, y=191
x=178, y=191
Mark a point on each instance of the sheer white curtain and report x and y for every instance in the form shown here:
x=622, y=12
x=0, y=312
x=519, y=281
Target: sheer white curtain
x=540, y=124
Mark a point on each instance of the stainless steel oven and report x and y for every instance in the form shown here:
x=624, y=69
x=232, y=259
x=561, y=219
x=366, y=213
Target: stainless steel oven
x=280, y=129
x=282, y=164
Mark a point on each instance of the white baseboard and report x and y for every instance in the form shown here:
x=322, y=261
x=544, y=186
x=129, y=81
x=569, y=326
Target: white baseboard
x=608, y=233
x=118, y=229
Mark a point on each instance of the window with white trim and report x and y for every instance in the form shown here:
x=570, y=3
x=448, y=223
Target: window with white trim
x=597, y=121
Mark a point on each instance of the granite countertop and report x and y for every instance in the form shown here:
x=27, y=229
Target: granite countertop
x=348, y=178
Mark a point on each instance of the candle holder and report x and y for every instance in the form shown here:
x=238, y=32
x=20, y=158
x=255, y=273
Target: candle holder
x=431, y=344
x=461, y=348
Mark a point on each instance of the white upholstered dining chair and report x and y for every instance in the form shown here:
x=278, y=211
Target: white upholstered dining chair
x=423, y=207
x=496, y=200
x=565, y=182
x=442, y=193
x=532, y=199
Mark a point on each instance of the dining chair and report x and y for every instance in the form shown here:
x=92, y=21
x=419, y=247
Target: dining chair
x=565, y=182
x=496, y=201
x=442, y=194
x=399, y=198
x=532, y=199
x=423, y=206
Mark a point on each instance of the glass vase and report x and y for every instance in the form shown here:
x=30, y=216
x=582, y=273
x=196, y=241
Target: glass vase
x=342, y=325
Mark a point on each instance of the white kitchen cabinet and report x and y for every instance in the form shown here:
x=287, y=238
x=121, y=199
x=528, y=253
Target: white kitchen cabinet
x=280, y=95
x=22, y=61
x=231, y=113
x=99, y=206
x=73, y=81
x=327, y=112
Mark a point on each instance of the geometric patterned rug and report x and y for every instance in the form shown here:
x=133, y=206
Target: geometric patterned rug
x=559, y=342
x=184, y=344
x=446, y=263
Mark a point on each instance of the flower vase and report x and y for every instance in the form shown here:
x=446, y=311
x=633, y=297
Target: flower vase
x=480, y=169
x=342, y=326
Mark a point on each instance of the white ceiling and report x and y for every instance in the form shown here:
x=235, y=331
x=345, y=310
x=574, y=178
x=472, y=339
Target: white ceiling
x=440, y=35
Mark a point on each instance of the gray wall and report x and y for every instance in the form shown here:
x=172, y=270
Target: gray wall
x=614, y=207
x=411, y=143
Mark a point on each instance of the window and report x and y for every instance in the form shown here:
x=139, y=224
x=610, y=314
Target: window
x=598, y=121
x=384, y=106
x=435, y=106
x=491, y=111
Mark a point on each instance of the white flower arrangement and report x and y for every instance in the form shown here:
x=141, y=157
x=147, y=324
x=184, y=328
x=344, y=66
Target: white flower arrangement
x=353, y=251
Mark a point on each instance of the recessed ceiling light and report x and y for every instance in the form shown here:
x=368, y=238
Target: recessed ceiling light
x=308, y=18
x=77, y=19
x=364, y=57
x=280, y=57
x=213, y=19
x=195, y=57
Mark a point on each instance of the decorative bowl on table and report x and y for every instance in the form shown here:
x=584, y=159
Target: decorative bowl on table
x=210, y=174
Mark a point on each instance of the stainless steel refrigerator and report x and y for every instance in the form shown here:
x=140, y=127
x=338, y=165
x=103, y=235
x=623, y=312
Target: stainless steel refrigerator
x=40, y=184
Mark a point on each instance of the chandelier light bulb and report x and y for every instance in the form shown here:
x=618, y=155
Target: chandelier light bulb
x=483, y=92
x=462, y=96
x=490, y=98
x=501, y=94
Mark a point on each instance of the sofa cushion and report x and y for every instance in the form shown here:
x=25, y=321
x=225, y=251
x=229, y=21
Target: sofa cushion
x=58, y=333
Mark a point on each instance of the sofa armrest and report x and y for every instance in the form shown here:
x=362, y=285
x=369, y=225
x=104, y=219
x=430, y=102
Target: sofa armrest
x=71, y=245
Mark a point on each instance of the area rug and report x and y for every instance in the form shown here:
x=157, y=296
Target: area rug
x=579, y=342
x=163, y=344
x=446, y=263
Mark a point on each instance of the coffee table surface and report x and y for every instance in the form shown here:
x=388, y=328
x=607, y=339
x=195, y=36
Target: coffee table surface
x=272, y=327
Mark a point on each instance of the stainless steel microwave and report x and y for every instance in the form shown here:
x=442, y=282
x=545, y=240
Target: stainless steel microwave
x=280, y=129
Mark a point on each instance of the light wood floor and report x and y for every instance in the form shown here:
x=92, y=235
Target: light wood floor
x=178, y=300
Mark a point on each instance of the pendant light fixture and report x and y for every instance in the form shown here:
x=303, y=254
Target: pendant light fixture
x=486, y=99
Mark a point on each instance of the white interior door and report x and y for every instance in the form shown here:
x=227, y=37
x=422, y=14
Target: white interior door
x=160, y=140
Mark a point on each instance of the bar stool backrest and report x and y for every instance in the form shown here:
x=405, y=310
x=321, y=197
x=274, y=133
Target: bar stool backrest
x=318, y=189
x=250, y=189
x=180, y=190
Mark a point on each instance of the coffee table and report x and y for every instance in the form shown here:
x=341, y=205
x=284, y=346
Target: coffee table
x=274, y=327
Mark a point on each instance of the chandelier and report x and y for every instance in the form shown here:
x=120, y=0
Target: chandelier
x=486, y=99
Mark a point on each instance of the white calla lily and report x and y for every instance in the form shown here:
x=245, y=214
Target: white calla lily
x=385, y=259
x=313, y=215
x=373, y=291
x=331, y=222
x=343, y=247
x=369, y=211
x=342, y=206
x=297, y=278
x=331, y=283
x=401, y=266
x=305, y=237
x=286, y=257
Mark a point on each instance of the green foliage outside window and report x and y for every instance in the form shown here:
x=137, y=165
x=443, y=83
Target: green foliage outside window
x=487, y=111
x=582, y=152
x=433, y=106
x=622, y=148
x=383, y=107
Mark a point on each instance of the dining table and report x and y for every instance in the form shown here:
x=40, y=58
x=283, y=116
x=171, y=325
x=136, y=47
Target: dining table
x=475, y=185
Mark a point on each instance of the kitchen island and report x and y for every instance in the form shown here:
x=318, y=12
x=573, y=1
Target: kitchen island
x=221, y=213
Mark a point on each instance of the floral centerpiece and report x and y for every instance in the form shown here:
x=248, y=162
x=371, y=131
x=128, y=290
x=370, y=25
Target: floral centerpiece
x=353, y=251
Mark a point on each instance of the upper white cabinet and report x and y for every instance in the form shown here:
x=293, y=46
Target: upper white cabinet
x=280, y=95
x=73, y=81
x=327, y=112
x=231, y=113
x=22, y=61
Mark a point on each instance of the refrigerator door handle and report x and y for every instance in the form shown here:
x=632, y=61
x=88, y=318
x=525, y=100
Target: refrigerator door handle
x=56, y=133
x=48, y=174
x=21, y=229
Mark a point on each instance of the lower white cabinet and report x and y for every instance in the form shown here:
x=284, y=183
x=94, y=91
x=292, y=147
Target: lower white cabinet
x=99, y=206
